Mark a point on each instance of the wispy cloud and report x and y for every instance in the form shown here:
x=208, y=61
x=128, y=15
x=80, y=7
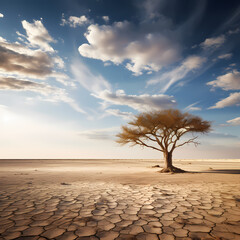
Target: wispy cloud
x=225, y=56
x=8, y=83
x=118, y=113
x=192, y=107
x=169, y=78
x=49, y=93
x=141, y=103
x=234, y=122
x=91, y=82
x=74, y=21
x=100, y=134
x=213, y=42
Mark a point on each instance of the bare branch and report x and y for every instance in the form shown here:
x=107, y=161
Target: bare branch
x=164, y=128
x=146, y=145
x=187, y=142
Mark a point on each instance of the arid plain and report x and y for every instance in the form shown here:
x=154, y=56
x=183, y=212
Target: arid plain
x=119, y=199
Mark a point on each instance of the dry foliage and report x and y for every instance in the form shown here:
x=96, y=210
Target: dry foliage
x=162, y=130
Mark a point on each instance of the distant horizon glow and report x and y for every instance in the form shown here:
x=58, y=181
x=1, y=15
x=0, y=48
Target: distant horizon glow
x=72, y=73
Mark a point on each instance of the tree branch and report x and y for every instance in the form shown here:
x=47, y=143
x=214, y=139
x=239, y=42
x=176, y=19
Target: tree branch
x=187, y=142
x=146, y=145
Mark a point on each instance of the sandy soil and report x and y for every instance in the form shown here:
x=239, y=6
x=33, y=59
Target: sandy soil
x=119, y=199
x=15, y=172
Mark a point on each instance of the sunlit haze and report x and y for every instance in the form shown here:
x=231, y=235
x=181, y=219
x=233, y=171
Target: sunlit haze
x=73, y=72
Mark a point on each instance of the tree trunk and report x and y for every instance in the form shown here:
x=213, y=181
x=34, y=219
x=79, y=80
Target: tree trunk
x=168, y=159
x=168, y=164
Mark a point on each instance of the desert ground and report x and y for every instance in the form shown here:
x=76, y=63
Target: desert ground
x=119, y=199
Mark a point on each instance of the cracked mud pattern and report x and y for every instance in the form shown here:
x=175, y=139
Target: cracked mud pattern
x=113, y=211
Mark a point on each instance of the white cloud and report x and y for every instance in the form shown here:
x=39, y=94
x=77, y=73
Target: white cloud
x=8, y=83
x=118, y=113
x=63, y=79
x=1, y=15
x=100, y=134
x=22, y=61
x=93, y=83
x=235, y=31
x=192, y=107
x=20, y=64
x=232, y=100
x=59, y=62
x=169, y=78
x=105, y=18
x=37, y=35
x=228, y=81
x=234, y=122
x=213, y=42
x=32, y=63
x=225, y=56
x=141, y=103
x=49, y=93
x=144, y=50
x=74, y=21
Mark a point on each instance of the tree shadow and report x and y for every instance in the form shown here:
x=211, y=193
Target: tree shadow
x=223, y=171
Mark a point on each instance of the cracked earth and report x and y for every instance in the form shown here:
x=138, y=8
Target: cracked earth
x=116, y=211
x=111, y=210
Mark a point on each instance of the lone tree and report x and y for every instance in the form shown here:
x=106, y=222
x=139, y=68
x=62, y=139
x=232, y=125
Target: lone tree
x=162, y=131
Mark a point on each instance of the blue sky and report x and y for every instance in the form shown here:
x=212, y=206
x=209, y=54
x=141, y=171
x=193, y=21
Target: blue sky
x=72, y=72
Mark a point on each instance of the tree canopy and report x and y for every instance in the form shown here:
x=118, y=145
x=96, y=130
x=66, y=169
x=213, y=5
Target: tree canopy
x=162, y=131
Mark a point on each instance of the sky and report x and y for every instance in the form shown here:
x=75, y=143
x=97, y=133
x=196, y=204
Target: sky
x=73, y=72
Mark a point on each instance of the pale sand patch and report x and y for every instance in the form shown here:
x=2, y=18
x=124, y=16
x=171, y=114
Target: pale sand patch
x=15, y=172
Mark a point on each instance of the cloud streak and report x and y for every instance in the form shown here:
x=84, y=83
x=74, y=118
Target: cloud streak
x=213, y=42
x=49, y=93
x=234, y=122
x=192, y=107
x=99, y=134
x=88, y=80
x=141, y=103
x=118, y=113
x=190, y=64
x=7, y=83
x=225, y=56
